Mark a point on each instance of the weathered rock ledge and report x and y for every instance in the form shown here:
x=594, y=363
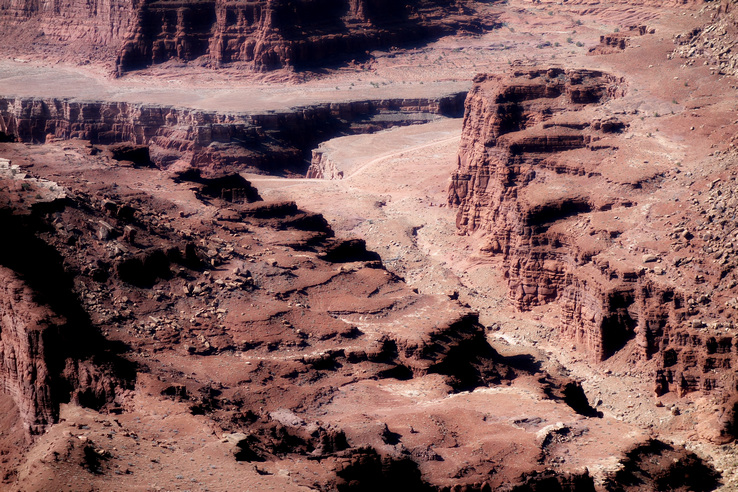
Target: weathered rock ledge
x=271, y=141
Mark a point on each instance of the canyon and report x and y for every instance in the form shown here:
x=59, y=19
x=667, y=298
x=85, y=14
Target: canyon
x=349, y=246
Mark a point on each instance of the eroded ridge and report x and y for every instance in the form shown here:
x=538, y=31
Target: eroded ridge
x=543, y=179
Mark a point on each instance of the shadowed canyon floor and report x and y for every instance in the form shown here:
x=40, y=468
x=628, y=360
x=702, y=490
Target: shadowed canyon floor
x=536, y=296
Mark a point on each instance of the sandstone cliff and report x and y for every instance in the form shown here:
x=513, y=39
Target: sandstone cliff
x=283, y=33
x=542, y=182
x=23, y=371
x=70, y=30
x=261, y=35
x=267, y=141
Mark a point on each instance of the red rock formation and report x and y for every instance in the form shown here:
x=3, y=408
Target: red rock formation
x=23, y=371
x=321, y=167
x=530, y=183
x=281, y=33
x=618, y=41
x=714, y=41
x=70, y=30
x=511, y=130
x=262, y=34
x=210, y=140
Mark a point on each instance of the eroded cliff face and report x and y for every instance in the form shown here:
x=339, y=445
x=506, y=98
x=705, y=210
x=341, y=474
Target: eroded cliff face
x=49, y=351
x=23, y=371
x=70, y=30
x=544, y=184
x=181, y=138
x=263, y=35
x=513, y=132
x=283, y=33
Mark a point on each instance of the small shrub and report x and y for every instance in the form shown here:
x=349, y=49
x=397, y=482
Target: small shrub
x=569, y=40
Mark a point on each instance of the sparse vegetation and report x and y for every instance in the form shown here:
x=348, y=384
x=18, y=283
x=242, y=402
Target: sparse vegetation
x=569, y=40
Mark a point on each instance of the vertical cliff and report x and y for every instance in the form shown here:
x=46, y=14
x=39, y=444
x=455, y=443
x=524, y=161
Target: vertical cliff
x=543, y=185
x=270, y=141
x=24, y=374
x=284, y=33
x=259, y=34
x=50, y=351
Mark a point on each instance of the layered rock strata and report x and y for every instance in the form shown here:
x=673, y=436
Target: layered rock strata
x=618, y=41
x=263, y=34
x=513, y=130
x=269, y=141
x=542, y=182
x=23, y=371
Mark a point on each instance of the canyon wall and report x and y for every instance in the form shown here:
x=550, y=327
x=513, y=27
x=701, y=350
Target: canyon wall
x=275, y=34
x=269, y=141
x=49, y=351
x=23, y=371
x=540, y=182
x=70, y=30
x=262, y=35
